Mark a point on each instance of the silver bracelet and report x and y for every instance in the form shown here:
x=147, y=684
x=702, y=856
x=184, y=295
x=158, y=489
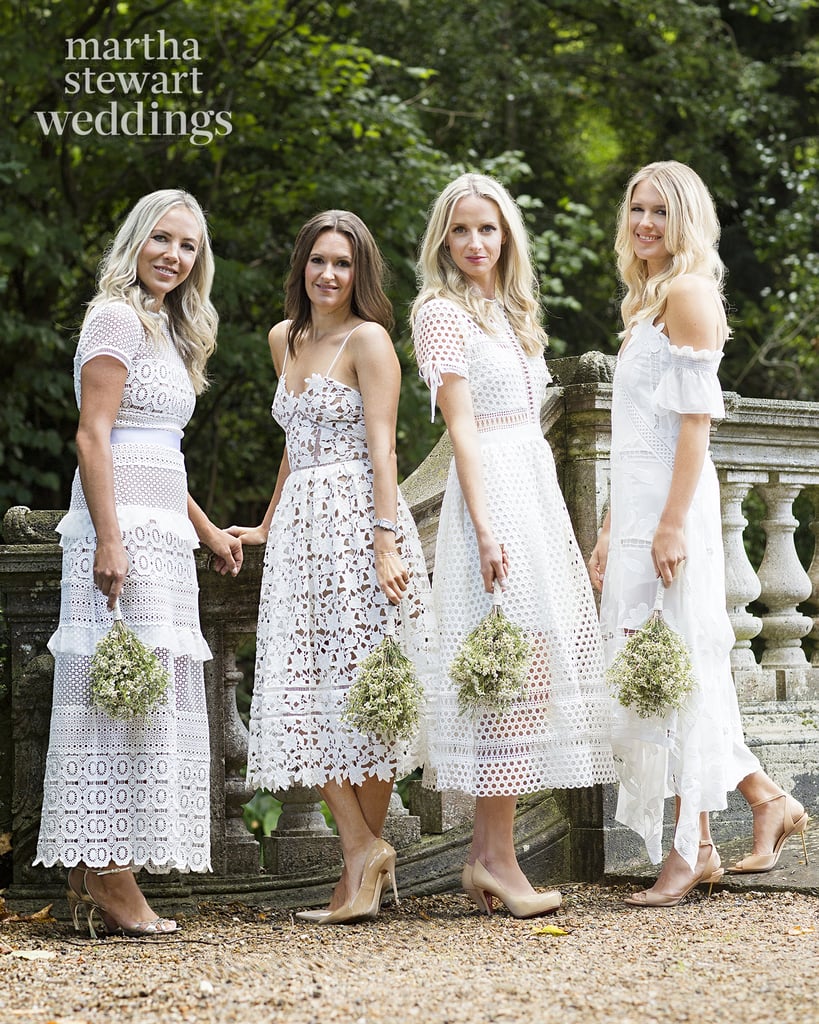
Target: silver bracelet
x=386, y=524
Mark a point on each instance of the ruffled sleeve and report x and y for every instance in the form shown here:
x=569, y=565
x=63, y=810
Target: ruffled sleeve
x=112, y=330
x=440, y=344
x=690, y=384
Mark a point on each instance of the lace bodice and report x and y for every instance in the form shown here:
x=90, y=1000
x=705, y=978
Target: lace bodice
x=324, y=424
x=447, y=340
x=158, y=392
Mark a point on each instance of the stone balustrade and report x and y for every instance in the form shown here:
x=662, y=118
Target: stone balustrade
x=769, y=450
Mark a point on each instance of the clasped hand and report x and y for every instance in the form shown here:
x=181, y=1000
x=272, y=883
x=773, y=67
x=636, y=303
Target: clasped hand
x=227, y=553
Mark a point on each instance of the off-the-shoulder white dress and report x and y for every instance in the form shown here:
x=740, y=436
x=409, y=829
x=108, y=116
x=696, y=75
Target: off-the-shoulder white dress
x=698, y=753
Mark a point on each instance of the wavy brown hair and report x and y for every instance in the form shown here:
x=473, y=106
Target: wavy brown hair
x=369, y=300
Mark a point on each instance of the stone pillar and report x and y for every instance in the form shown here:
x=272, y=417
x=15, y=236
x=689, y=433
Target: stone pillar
x=302, y=843
x=813, y=574
x=228, y=609
x=440, y=810
x=401, y=828
x=741, y=583
x=784, y=582
x=242, y=850
x=30, y=570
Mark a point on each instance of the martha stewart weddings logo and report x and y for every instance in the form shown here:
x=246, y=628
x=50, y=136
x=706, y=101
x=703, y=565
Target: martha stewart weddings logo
x=149, y=115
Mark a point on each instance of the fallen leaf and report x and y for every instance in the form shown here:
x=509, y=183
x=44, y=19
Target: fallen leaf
x=550, y=929
x=7, y=917
x=800, y=930
x=34, y=954
x=40, y=915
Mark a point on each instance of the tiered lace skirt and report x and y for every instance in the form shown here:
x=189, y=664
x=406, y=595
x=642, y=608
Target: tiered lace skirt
x=132, y=792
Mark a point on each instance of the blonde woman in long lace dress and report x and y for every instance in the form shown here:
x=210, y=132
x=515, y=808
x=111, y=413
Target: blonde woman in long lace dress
x=479, y=345
x=341, y=549
x=123, y=795
x=664, y=522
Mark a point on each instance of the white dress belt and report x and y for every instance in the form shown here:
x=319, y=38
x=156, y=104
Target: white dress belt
x=146, y=435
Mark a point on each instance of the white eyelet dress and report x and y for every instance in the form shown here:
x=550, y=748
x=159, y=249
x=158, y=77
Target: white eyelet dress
x=557, y=735
x=698, y=753
x=135, y=792
x=321, y=609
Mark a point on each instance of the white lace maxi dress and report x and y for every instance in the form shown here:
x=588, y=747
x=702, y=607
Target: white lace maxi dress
x=699, y=753
x=558, y=734
x=133, y=792
x=321, y=610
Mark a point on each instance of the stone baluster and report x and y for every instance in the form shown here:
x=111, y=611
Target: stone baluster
x=401, y=828
x=784, y=582
x=741, y=583
x=241, y=847
x=813, y=574
x=302, y=842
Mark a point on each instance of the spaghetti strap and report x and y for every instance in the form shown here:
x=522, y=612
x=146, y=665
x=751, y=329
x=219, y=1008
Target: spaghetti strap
x=341, y=348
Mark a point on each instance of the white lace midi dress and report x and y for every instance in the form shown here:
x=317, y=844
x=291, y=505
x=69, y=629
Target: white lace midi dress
x=557, y=735
x=135, y=792
x=698, y=753
x=321, y=610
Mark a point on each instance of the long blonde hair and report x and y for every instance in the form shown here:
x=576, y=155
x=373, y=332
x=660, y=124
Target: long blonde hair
x=192, y=318
x=691, y=238
x=516, y=286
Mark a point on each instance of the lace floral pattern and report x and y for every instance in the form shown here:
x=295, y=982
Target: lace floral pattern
x=697, y=753
x=135, y=792
x=321, y=610
x=557, y=735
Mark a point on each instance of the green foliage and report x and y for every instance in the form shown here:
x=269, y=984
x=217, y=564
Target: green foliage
x=373, y=105
x=261, y=813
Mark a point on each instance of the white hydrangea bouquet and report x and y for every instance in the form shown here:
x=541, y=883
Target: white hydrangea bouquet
x=652, y=673
x=127, y=679
x=387, y=695
x=491, y=665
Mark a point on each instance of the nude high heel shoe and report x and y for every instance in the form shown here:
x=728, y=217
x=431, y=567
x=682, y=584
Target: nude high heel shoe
x=313, y=916
x=379, y=868
x=756, y=863
x=711, y=873
x=485, y=886
x=482, y=900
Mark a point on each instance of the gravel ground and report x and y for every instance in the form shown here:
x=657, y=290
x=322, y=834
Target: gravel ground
x=740, y=956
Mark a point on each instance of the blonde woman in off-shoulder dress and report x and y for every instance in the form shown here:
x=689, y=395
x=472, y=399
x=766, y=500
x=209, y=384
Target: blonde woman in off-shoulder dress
x=480, y=344
x=664, y=523
x=123, y=795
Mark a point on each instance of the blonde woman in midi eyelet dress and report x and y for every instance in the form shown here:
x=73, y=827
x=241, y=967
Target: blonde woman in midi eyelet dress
x=479, y=346
x=664, y=521
x=341, y=548
x=121, y=795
